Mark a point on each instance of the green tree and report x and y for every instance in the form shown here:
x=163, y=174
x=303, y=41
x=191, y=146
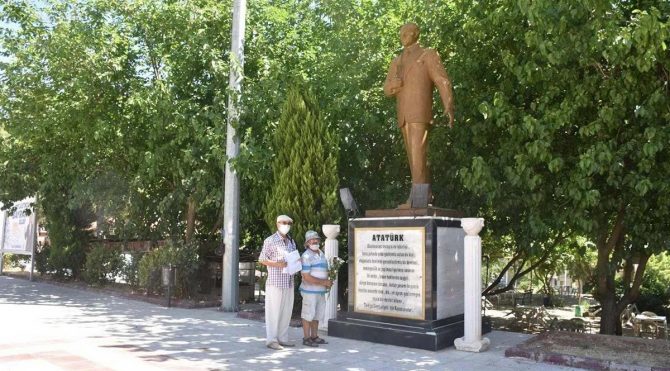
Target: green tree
x=116, y=109
x=123, y=104
x=572, y=128
x=59, y=83
x=304, y=168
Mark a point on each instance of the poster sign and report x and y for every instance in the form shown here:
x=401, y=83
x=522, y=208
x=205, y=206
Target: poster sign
x=389, y=271
x=18, y=229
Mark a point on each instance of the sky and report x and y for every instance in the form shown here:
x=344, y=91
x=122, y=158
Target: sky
x=4, y=24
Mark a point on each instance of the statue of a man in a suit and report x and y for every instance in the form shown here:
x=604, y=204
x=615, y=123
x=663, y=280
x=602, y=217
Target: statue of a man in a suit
x=411, y=78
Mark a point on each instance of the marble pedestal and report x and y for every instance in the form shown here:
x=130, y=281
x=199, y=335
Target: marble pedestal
x=406, y=282
x=472, y=340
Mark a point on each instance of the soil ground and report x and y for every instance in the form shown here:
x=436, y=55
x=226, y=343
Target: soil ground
x=584, y=349
x=600, y=352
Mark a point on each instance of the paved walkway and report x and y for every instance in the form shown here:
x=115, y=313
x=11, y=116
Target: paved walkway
x=48, y=327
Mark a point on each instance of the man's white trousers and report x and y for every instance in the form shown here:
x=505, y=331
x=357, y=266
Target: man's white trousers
x=278, y=308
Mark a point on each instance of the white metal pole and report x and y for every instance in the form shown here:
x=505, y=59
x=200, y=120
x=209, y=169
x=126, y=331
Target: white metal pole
x=231, y=216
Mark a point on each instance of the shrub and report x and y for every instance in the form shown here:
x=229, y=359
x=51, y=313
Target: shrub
x=69, y=236
x=41, y=259
x=103, y=264
x=64, y=261
x=184, y=257
x=207, y=270
x=16, y=261
x=149, y=271
x=654, y=295
x=131, y=267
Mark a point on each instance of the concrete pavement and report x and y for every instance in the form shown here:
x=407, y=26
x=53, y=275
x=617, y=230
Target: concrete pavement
x=49, y=327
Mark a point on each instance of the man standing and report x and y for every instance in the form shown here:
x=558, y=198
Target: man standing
x=313, y=289
x=279, y=285
x=411, y=79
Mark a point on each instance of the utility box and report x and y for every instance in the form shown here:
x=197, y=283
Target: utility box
x=168, y=275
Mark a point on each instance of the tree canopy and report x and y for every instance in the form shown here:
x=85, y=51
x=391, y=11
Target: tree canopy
x=575, y=107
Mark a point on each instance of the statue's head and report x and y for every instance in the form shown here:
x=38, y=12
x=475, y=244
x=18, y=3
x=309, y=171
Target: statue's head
x=409, y=34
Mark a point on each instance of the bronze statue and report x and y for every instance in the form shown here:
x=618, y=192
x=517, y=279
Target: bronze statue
x=411, y=78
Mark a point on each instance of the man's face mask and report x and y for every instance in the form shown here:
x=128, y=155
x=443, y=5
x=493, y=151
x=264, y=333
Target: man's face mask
x=284, y=228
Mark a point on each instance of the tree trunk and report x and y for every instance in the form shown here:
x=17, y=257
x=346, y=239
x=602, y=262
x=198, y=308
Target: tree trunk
x=610, y=322
x=190, y=219
x=608, y=240
x=610, y=252
x=579, y=292
x=520, y=272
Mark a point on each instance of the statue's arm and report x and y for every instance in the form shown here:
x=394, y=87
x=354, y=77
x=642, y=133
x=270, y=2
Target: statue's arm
x=441, y=80
x=393, y=82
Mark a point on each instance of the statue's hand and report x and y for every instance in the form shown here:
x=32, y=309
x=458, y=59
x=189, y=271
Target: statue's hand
x=395, y=84
x=450, y=114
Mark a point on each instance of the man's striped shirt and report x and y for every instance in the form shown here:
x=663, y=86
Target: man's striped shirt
x=314, y=263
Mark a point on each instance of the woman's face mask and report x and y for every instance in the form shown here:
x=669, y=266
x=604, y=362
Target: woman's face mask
x=314, y=247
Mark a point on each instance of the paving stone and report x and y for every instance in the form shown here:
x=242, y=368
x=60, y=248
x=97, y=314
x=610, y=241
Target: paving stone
x=98, y=331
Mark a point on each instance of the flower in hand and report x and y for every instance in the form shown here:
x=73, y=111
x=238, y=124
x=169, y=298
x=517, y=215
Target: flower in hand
x=333, y=269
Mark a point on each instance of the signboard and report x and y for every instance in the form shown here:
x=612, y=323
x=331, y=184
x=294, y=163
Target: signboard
x=18, y=229
x=389, y=266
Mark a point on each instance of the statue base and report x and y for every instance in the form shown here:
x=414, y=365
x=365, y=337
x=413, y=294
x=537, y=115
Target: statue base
x=406, y=281
x=425, y=211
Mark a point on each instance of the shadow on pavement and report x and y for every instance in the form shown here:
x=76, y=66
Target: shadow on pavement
x=215, y=340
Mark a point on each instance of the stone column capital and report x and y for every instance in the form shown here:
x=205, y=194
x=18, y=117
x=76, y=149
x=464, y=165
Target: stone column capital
x=331, y=230
x=472, y=226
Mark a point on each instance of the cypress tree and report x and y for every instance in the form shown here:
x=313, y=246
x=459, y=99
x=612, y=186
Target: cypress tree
x=305, y=175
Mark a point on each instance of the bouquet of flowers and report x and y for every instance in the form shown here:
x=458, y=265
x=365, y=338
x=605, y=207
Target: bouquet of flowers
x=333, y=268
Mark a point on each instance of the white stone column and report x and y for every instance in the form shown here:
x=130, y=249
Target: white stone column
x=331, y=249
x=472, y=260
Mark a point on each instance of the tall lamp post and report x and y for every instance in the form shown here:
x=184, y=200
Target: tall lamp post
x=231, y=203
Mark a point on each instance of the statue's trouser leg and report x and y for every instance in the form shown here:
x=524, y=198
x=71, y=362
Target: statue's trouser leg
x=405, y=134
x=415, y=136
x=416, y=143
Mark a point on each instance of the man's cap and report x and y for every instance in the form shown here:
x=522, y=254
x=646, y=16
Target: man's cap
x=311, y=235
x=284, y=218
